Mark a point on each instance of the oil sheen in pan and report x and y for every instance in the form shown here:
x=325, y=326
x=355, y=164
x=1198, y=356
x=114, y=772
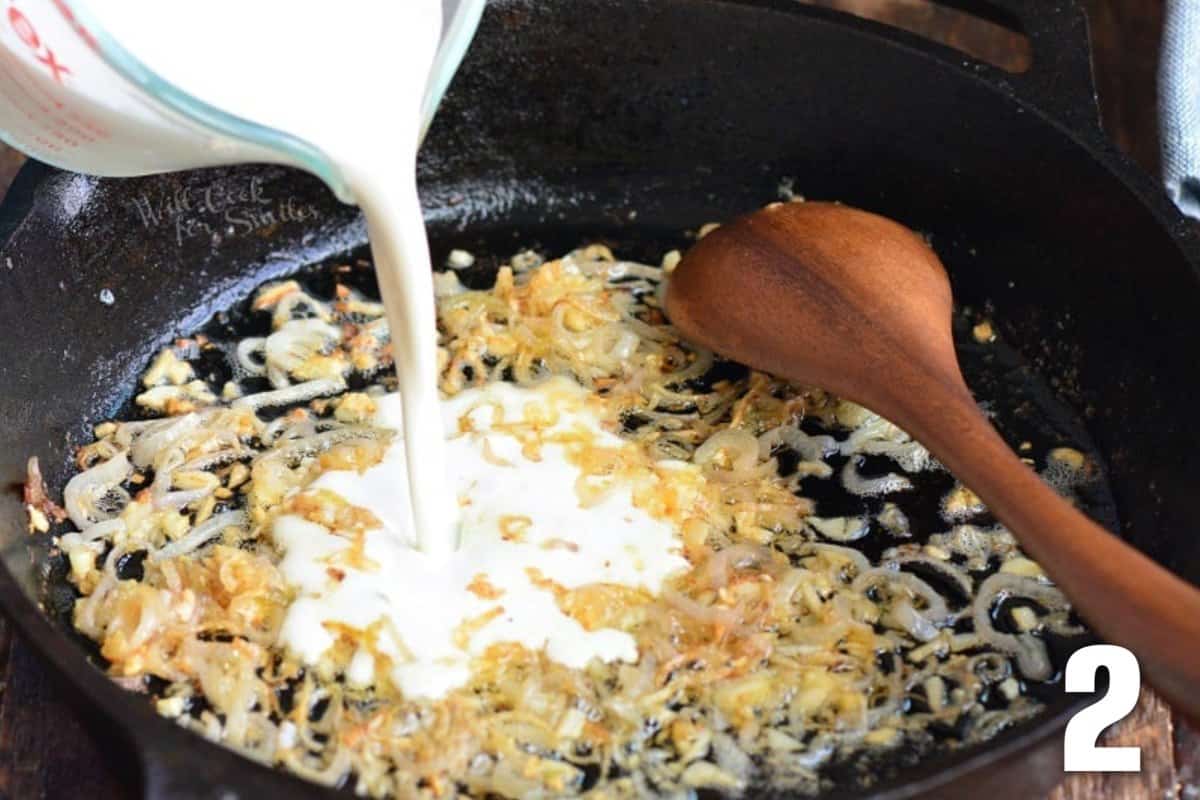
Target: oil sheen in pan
x=1022, y=405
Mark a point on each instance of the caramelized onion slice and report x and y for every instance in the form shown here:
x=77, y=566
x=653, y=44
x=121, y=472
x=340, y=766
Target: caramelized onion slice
x=85, y=492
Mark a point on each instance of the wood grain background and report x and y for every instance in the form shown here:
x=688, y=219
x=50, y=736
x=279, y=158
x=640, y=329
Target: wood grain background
x=52, y=747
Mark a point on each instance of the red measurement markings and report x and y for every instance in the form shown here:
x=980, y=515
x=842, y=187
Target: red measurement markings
x=69, y=16
x=47, y=93
x=41, y=51
x=92, y=130
x=33, y=118
x=48, y=127
x=27, y=86
x=51, y=124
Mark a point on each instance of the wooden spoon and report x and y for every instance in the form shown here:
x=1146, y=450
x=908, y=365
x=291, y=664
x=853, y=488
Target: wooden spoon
x=857, y=304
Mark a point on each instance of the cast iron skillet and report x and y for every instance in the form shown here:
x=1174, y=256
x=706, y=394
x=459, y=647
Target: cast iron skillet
x=638, y=119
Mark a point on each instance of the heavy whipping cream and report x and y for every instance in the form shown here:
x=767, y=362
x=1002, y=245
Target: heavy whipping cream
x=523, y=523
x=349, y=78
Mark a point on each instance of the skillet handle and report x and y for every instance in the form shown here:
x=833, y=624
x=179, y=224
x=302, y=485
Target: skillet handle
x=1059, y=82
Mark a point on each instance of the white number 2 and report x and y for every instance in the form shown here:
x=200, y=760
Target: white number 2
x=1080, y=753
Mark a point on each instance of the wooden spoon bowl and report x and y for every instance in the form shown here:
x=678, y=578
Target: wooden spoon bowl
x=855, y=303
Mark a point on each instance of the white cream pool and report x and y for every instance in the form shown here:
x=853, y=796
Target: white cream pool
x=429, y=621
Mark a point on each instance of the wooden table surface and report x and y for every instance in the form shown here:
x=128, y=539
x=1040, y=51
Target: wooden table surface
x=50, y=747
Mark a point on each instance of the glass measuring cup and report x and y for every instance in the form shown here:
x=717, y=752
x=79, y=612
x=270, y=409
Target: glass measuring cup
x=72, y=96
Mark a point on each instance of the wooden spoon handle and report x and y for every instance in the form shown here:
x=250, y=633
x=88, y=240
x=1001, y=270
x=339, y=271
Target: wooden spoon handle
x=1124, y=596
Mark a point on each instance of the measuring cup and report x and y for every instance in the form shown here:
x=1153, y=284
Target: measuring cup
x=71, y=96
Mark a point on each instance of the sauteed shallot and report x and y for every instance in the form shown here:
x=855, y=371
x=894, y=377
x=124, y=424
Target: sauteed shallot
x=775, y=650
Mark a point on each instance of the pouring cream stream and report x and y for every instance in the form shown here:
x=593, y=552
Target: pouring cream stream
x=351, y=80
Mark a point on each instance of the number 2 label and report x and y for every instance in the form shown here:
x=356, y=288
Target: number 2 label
x=1080, y=753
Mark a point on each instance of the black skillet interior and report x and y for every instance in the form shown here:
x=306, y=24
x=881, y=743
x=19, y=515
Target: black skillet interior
x=639, y=119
